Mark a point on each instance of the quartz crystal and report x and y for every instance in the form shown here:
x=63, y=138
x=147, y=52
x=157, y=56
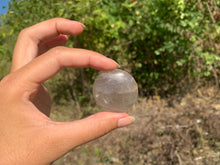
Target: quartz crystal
x=115, y=90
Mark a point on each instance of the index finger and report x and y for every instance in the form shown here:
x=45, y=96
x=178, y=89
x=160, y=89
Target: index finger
x=26, y=48
x=47, y=65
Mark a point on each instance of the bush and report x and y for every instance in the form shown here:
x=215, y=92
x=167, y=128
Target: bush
x=165, y=44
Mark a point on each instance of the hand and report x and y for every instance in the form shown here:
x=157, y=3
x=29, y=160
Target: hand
x=27, y=134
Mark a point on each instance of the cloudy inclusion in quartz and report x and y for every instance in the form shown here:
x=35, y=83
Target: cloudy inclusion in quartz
x=115, y=90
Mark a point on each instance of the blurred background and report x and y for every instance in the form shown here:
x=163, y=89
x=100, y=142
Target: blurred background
x=171, y=47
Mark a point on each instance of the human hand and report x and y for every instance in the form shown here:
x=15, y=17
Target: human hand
x=27, y=134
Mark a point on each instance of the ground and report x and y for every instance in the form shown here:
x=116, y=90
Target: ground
x=173, y=131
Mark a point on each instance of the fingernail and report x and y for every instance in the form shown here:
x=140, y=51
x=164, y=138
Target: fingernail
x=119, y=66
x=82, y=25
x=107, y=61
x=126, y=121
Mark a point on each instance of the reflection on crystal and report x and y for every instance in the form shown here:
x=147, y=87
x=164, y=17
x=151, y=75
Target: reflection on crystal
x=115, y=90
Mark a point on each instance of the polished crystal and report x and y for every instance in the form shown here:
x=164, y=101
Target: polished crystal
x=115, y=90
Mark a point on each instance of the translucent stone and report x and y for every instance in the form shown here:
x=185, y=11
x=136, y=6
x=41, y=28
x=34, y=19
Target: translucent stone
x=115, y=90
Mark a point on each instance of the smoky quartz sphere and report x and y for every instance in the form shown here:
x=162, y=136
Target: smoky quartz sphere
x=115, y=90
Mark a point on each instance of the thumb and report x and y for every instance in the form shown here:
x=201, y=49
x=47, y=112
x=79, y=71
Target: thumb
x=71, y=134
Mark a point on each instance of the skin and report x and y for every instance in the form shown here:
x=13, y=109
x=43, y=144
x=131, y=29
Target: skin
x=27, y=134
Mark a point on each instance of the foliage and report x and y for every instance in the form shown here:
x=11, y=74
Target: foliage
x=4, y=51
x=165, y=44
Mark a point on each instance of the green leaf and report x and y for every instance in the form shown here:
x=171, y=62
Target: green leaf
x=207, y=73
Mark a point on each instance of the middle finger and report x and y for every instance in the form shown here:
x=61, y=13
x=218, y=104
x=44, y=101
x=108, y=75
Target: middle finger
x=26, y=48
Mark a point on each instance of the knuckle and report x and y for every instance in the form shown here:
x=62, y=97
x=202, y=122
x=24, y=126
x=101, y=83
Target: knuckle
x=6, y=86
x=57, y=19
x=5, y=79
x=56, y=50
x=23, y=33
